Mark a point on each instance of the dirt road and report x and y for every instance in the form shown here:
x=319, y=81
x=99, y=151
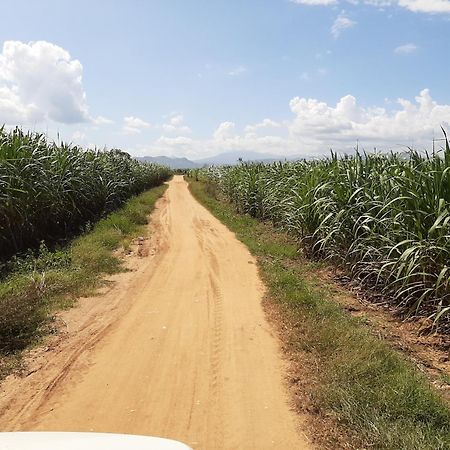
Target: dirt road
x=178, y=348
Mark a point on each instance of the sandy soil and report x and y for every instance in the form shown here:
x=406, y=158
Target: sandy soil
x=179, y=348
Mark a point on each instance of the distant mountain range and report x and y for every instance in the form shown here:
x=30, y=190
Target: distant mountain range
x=228, y=158
x=173, y=163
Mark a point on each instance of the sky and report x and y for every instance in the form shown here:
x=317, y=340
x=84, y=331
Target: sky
x=193, y=78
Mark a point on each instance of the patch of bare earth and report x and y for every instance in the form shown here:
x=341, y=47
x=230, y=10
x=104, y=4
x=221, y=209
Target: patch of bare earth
x=177, y=347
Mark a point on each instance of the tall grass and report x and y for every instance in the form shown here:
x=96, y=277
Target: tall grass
x=49, y=190
x=385, y=218
x=358, y=392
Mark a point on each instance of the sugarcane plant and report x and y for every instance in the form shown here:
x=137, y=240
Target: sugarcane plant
x=384, y=218
x=48, y=191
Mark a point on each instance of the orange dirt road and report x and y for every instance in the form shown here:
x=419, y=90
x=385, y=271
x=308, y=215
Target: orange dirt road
x=177, y=348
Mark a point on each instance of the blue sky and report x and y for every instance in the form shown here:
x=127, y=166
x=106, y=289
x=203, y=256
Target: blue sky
x=194, y=78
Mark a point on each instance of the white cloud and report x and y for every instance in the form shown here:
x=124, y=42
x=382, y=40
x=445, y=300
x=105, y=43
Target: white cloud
x=426, y=6
x=316, y=126
x=176, y=125
x=266, y=123
x=100, y=120
x=347, y=121
x=134, y=125
x=405, y=48
x=40, y=81
x=377, y=3
x=237, y=71
x=179, y=141
x=196, y=148
x=224, y=131
x=341, y=23
x=421, y=6
x=13, y=111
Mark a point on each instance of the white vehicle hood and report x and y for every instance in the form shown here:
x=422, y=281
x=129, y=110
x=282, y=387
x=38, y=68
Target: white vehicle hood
x=85, y=441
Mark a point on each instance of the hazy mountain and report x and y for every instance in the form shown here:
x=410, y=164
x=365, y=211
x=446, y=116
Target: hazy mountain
x=230, y=158
x=173, y=163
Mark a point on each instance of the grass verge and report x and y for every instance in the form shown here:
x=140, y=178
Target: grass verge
x=37, y=285
x=358, y=391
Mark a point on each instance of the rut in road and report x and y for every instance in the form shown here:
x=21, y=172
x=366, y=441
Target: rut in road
x=191, y=357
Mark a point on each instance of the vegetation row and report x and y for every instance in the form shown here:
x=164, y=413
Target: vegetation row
x=384, y=217
x=49, y=191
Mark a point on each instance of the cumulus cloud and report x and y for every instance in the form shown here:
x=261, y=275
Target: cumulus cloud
x=179, y=141
x=224, y=131
x=14, y=111
x=346, y=122
x=176, y=125
x=420, y=6
x=40, y=81
x=342, y=22
x=134, y=125
x=316, y=126
x=100, y=120
x=426, y=6
x=265, y=124
x=198, y=148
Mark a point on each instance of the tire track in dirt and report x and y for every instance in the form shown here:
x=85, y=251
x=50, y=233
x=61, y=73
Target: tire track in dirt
x=180, y=348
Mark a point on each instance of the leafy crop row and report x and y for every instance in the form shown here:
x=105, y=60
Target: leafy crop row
x=49, y=190
x=385, y=217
